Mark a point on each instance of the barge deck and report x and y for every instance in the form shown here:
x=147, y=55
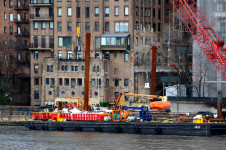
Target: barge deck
x=153, y=128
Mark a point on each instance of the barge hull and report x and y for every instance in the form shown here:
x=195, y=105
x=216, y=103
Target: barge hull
x=184, y=129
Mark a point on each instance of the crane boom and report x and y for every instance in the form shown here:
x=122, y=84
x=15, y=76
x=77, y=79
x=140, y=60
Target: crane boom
x=203, y=33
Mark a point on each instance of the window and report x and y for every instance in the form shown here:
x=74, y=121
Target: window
x=116, y=82
x=167, y=12
x=66, y=81
x=27, y=56
x=106, y=11
x=98, y=82
x=5, y=56
x=149, y=12
x=5, y=42
x=121, y=26
x=98, y=68
x=43, y=25
x=154, y=27
x=69, y=26
x=87, y=12
x=141, y=26
x=115, y=71
x=11, y=43
x=93, y=82
x=18, y=31
x=72, y=81
x=96, y=54
x=159, y=27
x=35, y=54
x=96, y=11
x=126, y=11
x=145, y=12
x=60, y=81
x=64, y=41
x=87, y=26
x=18, y=56
x=35, y=25
x=59, y=26
x=10, y=3
x=10, y=17
x=36, y=94
x=78, y=55
x=35, y=68
x=159, y=14
x=116, y=11
x=126, y=57
x=4, y=2
x=35, y=41
x=47, y=81
x=59, y=54
x=83, y=68
x=107, y=82
x=51, y=68
x=69, y=12
x=126, y=82
x=26, y=43
x=43, y=42
x=18, y=17
x=66, y=68
x=76, y=68
x=51, y=25
x=69, y=54
x=78, y=15
x=94, y=68
x=96, y=26
x=5, y=16
x=137, y=41
x=106, y=26
x=47, y=68
x=167, y=1
x=153, y=13
x=36, y=81
x=52, y=81
x=79, y=81
x=51, y=43
x=59, y=12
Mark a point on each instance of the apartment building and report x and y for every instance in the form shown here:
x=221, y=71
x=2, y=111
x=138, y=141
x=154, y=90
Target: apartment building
x=14, y=56
x=122, y=34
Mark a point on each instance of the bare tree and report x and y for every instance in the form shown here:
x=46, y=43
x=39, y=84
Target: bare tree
x=8, y=68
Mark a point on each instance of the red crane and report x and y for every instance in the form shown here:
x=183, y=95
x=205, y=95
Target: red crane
x=203, y=33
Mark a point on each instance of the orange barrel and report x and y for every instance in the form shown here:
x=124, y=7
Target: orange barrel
x=160, y=104
x=96, y=116
x=54, y=116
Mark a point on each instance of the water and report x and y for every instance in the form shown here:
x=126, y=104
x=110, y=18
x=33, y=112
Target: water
x=18, y=137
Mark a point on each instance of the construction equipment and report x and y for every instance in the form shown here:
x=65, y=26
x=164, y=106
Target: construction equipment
x=144, y=114
x=120, y=115
x=154, y=104
x=203, y=33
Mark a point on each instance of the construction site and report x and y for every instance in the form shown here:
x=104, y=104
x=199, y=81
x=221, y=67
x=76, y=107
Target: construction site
x=147, y=67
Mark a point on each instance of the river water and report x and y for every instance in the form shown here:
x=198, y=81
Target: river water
x=20, y=138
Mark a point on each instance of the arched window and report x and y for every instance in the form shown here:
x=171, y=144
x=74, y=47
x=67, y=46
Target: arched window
x=94, y=68
x=98, y=68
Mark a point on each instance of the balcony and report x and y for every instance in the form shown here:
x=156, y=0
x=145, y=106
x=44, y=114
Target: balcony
x=41, y=2
x=22, y=21
x=22, y=34
x=41, y=16
x=115, y=41
x=41, y=46
x=21, y=47
x=21, y=7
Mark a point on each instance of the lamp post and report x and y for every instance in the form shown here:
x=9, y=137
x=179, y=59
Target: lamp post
x=11, y=99
x=98, y=86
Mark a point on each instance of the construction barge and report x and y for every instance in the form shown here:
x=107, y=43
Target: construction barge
x=152, y=128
